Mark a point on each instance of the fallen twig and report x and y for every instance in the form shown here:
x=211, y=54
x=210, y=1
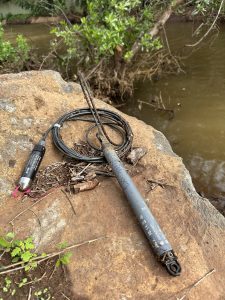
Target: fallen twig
x=196, y=283
x=35, y=281
x=171, y=111
x=210, y=28
x=71, y=204
x=30, y=292
x=159, y=183
x=65, y=296
x=29, y=208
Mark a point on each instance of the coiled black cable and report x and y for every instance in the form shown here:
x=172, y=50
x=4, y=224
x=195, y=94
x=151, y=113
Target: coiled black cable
x=108, y=118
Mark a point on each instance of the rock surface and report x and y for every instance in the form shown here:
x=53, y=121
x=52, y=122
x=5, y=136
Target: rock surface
x=122, y=265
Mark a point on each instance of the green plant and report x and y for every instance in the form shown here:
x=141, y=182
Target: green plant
x=2, y=17
x=11, y=53
x=19, y=250
x=64, y=258
x=119, y=39
x=8, y=288
x=108, y=26
x=22, y=256
x=22, y=282
x=17, y=17
x=43, y=7
x=14, y=56
x=42, y=294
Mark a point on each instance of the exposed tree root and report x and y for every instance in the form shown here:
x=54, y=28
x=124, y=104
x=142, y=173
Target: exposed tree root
x=107, y=82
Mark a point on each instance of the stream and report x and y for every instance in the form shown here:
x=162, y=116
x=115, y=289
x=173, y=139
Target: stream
x=197, y=131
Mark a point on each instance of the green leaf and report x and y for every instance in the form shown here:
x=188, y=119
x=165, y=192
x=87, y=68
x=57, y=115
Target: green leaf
x=33, y=265
x=26, y=256
x=22, y=245
x=24, y=280
x=15, y=259
x=16, y=251
x=10, y=235
x=8, y=282
x=27, y=268
x=65, y=259
x=38, y=293
x=29, y=245
x=4, y=243
x=13, y=292
x=58, y=262
x=62, y=245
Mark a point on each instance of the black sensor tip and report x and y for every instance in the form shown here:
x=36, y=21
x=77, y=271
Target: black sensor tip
x=173, y=267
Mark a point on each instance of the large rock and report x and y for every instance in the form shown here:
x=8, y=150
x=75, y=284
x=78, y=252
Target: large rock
x=122, y=265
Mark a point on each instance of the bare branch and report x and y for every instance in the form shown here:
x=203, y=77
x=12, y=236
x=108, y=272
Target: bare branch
x=156, y=28
x=196, y=284
x=210, y=28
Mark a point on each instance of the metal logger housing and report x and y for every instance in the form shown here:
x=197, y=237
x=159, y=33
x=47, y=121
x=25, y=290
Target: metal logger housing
x=153, y=232
x=32, y=165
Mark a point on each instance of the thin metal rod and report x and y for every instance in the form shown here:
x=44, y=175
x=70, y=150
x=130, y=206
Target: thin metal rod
x=93, y=109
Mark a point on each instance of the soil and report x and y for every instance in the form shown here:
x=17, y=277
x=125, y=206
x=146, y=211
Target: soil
x=55, y=283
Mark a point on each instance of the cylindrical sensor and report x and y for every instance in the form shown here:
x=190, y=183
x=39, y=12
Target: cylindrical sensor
x=32, y=165
x=150, y=226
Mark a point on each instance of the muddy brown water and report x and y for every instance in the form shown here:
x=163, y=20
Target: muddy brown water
x=197, y=132
x=37, y=34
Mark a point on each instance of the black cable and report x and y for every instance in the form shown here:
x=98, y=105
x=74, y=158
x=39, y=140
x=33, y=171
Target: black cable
x=108, y=118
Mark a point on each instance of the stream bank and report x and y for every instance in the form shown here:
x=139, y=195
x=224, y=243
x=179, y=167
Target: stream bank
x=197, y=131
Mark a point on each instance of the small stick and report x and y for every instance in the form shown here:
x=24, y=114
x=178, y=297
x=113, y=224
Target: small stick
x=210, y=28
x=29, y=296
x=82, y=171
x=196, y=284
x=161, y=101
x=37, y=280
x=157, y=108
x=71, y=204
x=206, y=275
x=52, y=272
x=65, y=296
x=167, y=42
x=28, y=208
x=159, y=183
x=2, y=254
x=39, y=221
